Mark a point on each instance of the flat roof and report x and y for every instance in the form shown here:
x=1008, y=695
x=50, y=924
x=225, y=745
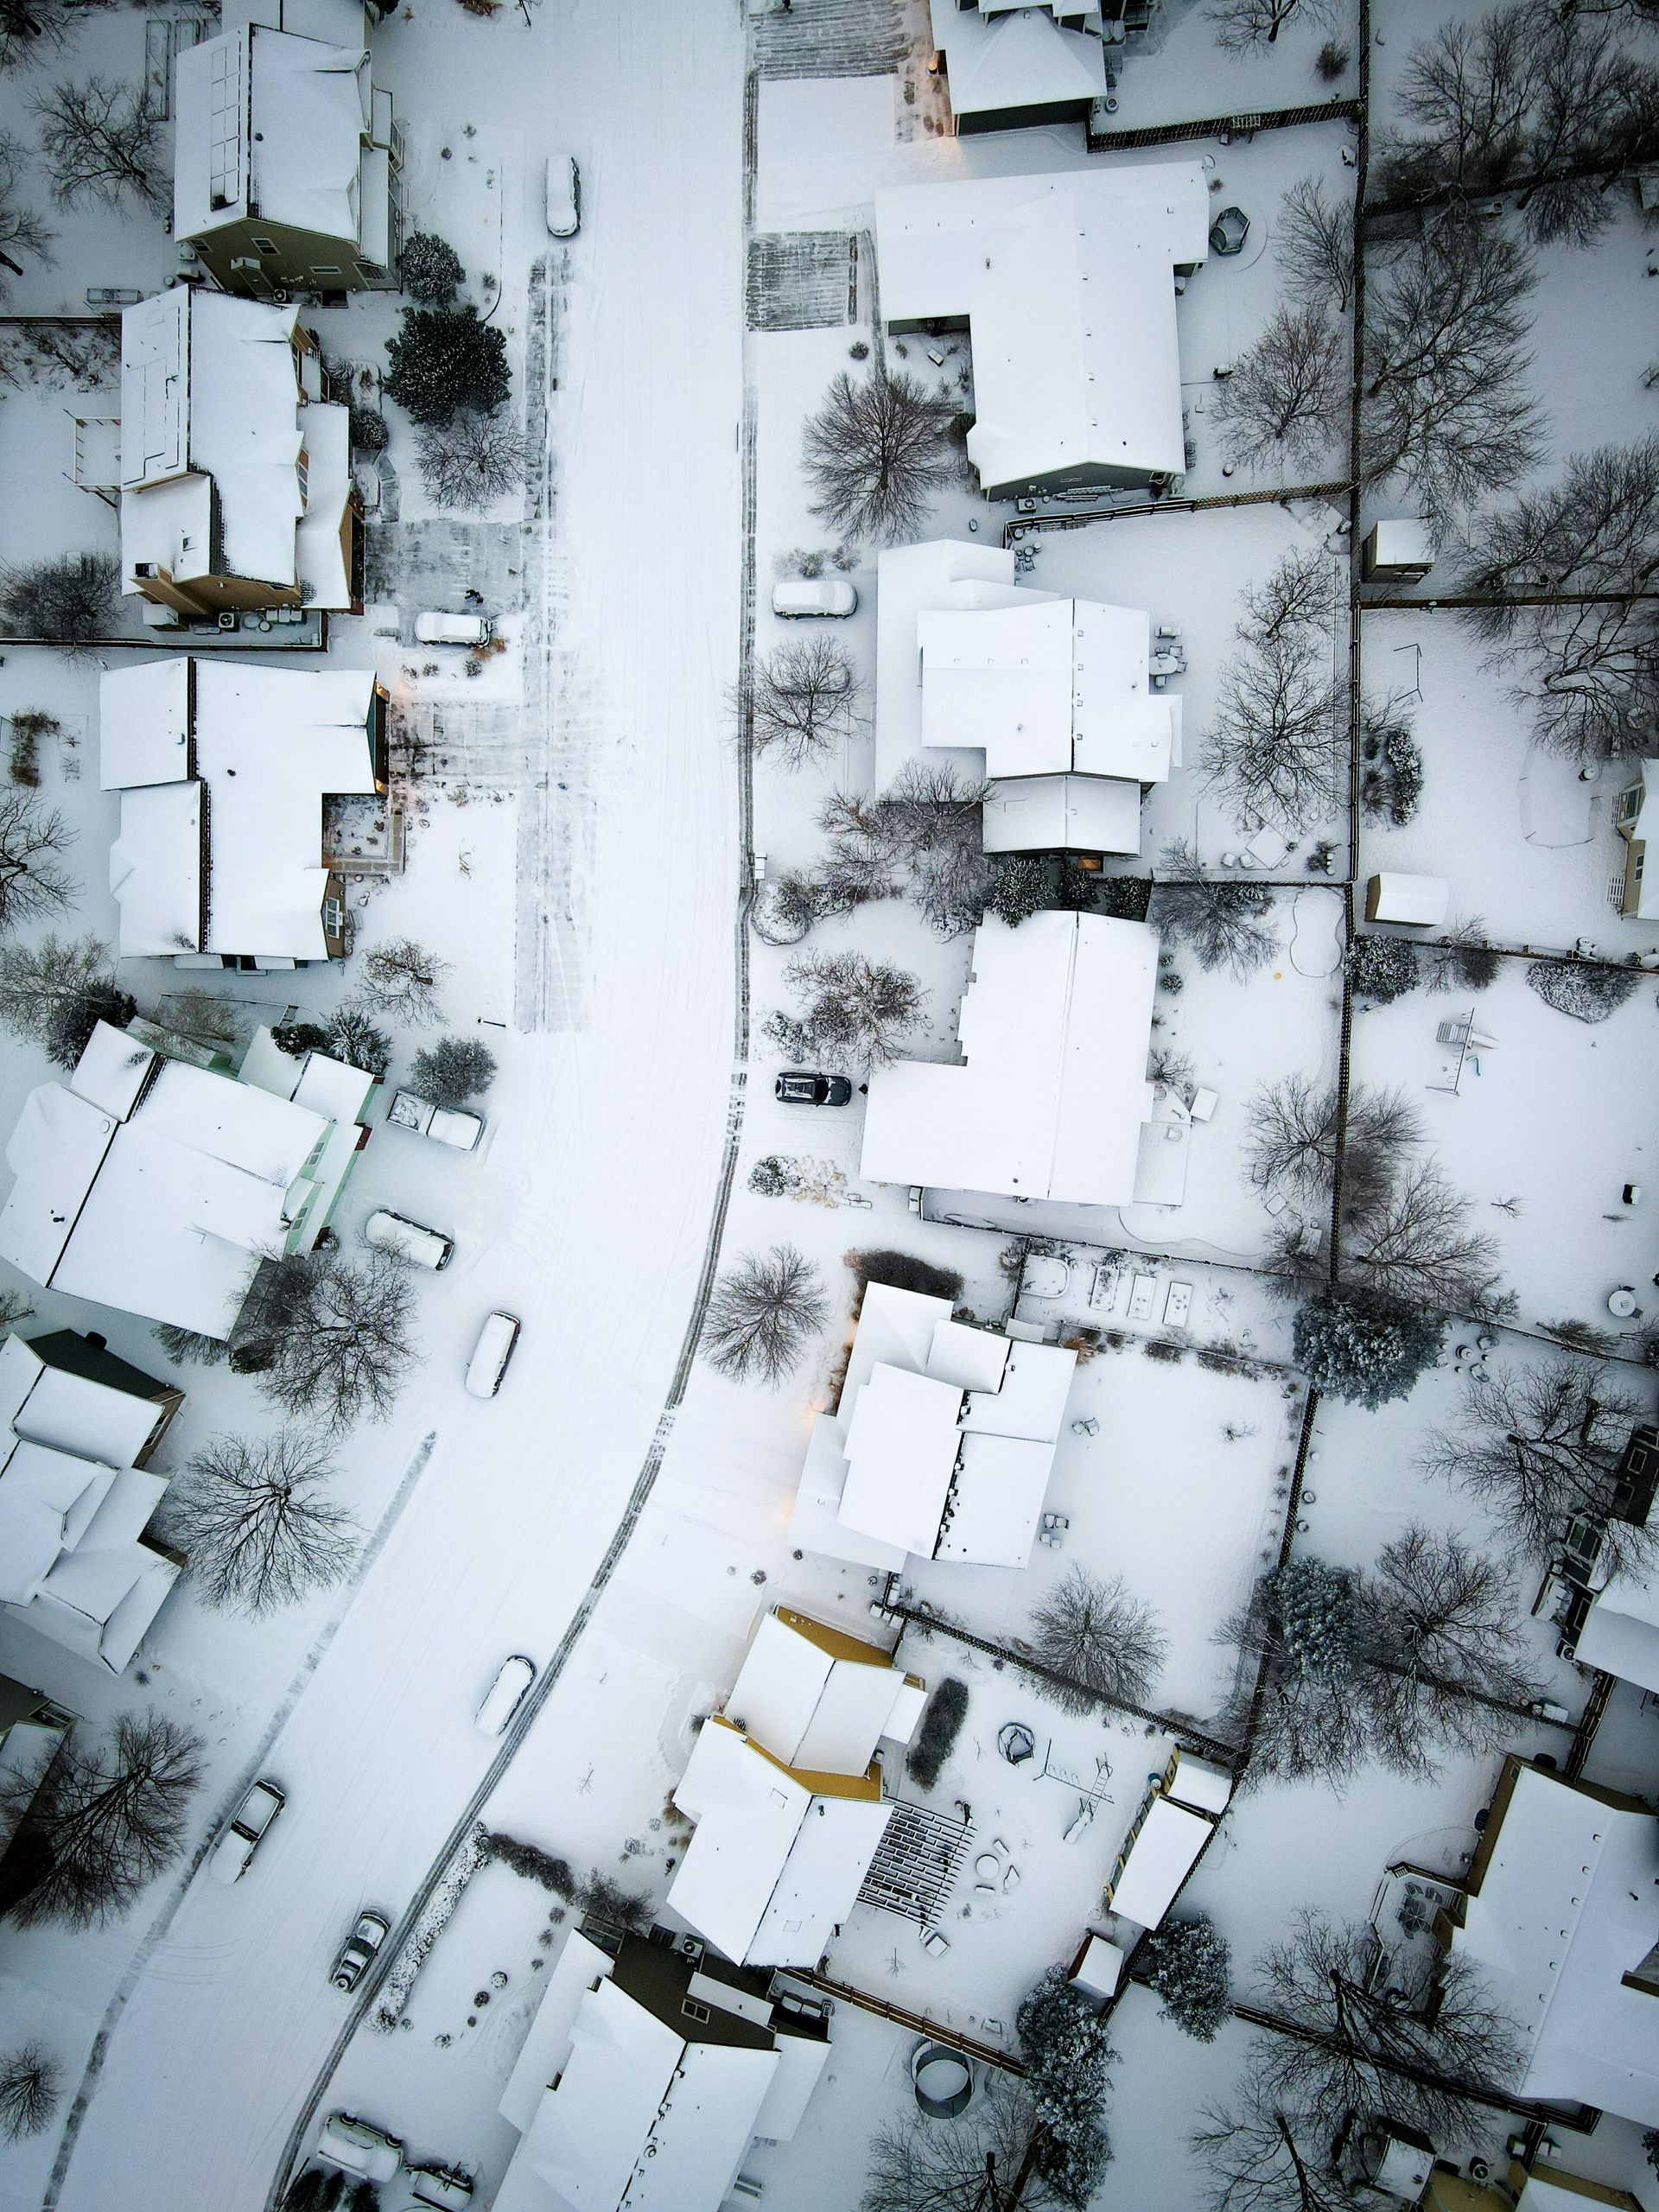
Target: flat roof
x=1161, y=1857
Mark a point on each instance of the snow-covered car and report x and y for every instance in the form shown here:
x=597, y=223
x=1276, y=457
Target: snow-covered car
x=797, y=1087
x=441, y=629
x=798, y=596
x=563, y=195
x=460, y=1129
x=444, y=2187
x=356, y=2148
x=369, y=1932
x=494, y=1348
x=394, y=1232
x=244, y=1832
x=505, y=1694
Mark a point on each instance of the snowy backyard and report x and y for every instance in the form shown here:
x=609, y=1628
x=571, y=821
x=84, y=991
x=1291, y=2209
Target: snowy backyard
x=829, y=1326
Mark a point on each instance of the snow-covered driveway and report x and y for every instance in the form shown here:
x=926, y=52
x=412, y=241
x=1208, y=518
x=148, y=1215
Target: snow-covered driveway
x=596, y=1196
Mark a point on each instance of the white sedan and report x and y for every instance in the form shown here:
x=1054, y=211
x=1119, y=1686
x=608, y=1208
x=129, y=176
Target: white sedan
x=244, y=1832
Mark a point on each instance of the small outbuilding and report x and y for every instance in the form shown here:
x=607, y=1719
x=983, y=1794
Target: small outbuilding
x=1415, y=901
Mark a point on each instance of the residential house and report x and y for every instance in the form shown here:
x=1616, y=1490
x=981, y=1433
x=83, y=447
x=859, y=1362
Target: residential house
x=157, y=1187
x=1050, y=1097
x=77, y=1427
x=942, y=1444
x=784, y=1790
x=1066, y=284
x=649, y=2068
x=287, y=155
x=1609, y=1619
x=234, y=478
x=1541, y=2190
x=225, y=773
x=1559, y=1913
x=1639, y=897
x=1009, y=65
x=1056, y=701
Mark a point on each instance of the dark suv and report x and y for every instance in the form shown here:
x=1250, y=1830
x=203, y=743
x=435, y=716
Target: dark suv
x=799, y=1089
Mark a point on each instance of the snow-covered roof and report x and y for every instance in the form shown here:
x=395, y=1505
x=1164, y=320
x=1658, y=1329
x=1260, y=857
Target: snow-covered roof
x=1163, y=1853
x=164, y=1213
x=772, y=1867
x=998, y=61
x=911, y=580
x=1566, y=1904
x=1047, y=689
x=1067, y=282
x=321, y=554
x=919, y=1458
x=270, y=745
x=1052, y=1092
x=269, y=125
x=1620, y=1634
x=144, y=718
x=1198, y=1783
x=1419, y=901
x=1062, y=814
x=211, y=439
x=54, y=1406
x=813, y=1698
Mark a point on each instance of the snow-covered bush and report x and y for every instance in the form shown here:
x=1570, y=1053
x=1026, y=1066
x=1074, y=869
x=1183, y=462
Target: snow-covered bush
x=947, y=1708
x=369, y=430
x=902, y=1271
x=855, y=1012
x=1315, y=1612
x=1362, y=1348
x=443, y=360
x=1067, y=2050
x=534, y=1864
x=71, y=600
x=452, y=1070
x=1391, y=776
x=1575, y=987
x=393, y=1994
x=1189, y=1963
x=430, y=269
x=1019, y=887
x=1382, y=969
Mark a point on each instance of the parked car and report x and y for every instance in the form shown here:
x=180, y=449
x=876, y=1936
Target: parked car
x=802, y=595
x=445, y=2187
x=497, y=1340
x=244, y=1832
x=369, y=1932
x=462, y=1130
x=505, y=1694
x=352, y=2144
x=563, y=196
x=441, y=629
x=393, y=1232
x=798, y=1087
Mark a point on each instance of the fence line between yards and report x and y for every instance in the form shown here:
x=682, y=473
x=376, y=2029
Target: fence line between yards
x=1078, y=518
x=865, y=2001
x=1243, y=126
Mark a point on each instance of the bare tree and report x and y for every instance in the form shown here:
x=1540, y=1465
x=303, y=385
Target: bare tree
x=29, y=28
x=765, y=1310
x=1445, y=403
x=55, y=994
x=1315, y=245
x=70, y=601
x=1294, y=1127
x=1096, y=1636
x=1286, y=402
x=1412, y=1243
x=965, y=2165
x=102, y=141
x=1539, y=1446
x=1243, y=25
x=1444, y=1657
x=21, y=231
x=1408, y=2045
x=1264, y=2159
x=803, y=699
x=189, y=1347
x=31, y=2089
x=1463, y=959
x=401, y=981
x=32, y=883
x=855, y=1012
x=107, y=1818
x=254, y=1516
x=876, y=454
x=335, y=1344
x=1225, y=924
x=1273, y=746
x=1464, y=97
x=473, y=460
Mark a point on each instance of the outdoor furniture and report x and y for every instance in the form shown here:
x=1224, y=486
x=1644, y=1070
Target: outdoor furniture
x=942, y=2080
x=1016, y=1742
x=1204, y=1105
x=1010, y=1880
x=988, y=1866
x=1621, y=1304
x=1103, y=1289
x=1087, y=1426
x=1229, y=231
x=934, y=1944
x=1267, y=847
x=1083, y=1822
x=1178, y=1303
x=1141, y=1298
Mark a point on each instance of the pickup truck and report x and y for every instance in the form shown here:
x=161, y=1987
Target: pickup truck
x=460, y=1129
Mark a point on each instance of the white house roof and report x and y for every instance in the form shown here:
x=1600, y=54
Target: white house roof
x=1568, y=1904
x=997, y=61
x=1067, y=282
x=1620, y=1634
x=1054, y=1031
x=71, y=1413
x=1198, y=1783
x=270, y=745
x=1062, y=814
x=809, y=1707
x=915, y=1460
x=621, y=2063
x=1163, y=1854
x=307, y=101
x=145, y=718
x=1420, y=900
x=54, y=1154
x=112, y=1071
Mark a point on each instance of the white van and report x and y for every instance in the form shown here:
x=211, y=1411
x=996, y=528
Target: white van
x=494, y=1348
x=563, y=195
x=391, y=1232
x=798, y=596
x=356, y=2148
x=505, y=1694
x=453, y=629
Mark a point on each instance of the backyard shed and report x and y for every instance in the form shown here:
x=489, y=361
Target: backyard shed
x=1417, y=901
